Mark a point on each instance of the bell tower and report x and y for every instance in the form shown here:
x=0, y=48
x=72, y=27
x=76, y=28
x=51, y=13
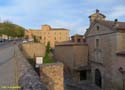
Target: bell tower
x=96, y=16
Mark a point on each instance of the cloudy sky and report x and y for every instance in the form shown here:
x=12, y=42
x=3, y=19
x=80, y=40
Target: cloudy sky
x=70, y=14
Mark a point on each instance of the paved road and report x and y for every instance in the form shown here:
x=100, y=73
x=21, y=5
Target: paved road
x=7, y=66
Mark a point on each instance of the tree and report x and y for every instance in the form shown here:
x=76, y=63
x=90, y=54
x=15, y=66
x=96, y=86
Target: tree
x=48, y=47
x=48, y=58
x=12, y=30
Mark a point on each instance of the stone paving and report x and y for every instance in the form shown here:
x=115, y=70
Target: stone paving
x=83, y=85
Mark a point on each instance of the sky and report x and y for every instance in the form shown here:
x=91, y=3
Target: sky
x=69, y=14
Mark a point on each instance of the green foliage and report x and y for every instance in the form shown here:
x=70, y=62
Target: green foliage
x=11, y=29
x=48, y=58
x=48, y=47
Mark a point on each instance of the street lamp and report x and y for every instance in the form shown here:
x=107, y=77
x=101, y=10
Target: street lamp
x=122, y=72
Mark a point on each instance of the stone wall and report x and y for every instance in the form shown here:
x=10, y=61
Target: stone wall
x=72, y=55
x=52, y=76
x=33, y=49
x=27, y=77
x=121, y=41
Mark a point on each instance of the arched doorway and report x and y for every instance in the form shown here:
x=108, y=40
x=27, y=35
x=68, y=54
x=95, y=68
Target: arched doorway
x=98, y=78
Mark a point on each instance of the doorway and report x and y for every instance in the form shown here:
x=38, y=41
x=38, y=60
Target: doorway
x=83, y=75
x=98, y=78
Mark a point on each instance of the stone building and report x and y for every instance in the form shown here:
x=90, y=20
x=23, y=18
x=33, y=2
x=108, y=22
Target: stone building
x=106, y=42
x=48, y=34
x=103, y=51
x=74, y=55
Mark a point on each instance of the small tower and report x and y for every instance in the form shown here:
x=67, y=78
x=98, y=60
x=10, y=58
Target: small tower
x=46, y=27
x=96, y=16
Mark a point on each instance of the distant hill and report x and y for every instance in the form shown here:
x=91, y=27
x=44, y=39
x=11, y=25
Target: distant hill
x=12, y=30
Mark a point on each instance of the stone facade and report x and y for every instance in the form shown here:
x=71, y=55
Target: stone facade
x=48, y=34
x=52, y=76
x=106, y=38
x=74, y=54
x=33, y=49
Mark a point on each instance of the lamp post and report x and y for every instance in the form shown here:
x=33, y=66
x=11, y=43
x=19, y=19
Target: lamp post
x=122, y=72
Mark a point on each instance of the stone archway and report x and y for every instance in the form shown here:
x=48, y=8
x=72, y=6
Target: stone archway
x=98, y=78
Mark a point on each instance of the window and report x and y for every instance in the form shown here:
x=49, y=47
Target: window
x=78, y=40
x=97, y=28
x=97, y=43
x=44, y=38
x=40, y=37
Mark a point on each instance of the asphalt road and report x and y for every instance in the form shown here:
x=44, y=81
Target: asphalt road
x=7, y=66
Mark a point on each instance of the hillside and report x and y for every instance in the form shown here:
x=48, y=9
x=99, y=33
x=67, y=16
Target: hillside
x=11, y=29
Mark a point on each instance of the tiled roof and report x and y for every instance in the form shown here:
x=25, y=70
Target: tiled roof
x=110, y=24
x=120, y=25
